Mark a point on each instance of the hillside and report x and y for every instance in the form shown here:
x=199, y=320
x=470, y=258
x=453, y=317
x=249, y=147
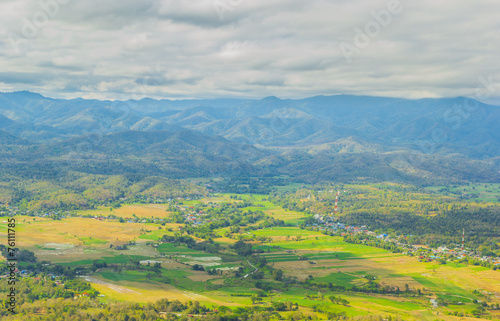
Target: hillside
x=324, y=137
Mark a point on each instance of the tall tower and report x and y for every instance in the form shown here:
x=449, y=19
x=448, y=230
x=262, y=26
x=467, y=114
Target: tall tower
x=463, y=239
x=336, y=201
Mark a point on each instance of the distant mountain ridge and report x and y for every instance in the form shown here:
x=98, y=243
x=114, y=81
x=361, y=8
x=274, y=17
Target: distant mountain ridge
x=288, y=133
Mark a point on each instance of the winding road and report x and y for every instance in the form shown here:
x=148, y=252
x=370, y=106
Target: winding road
x=256, y=269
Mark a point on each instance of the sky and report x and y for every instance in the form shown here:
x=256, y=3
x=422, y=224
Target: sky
x=175, y=49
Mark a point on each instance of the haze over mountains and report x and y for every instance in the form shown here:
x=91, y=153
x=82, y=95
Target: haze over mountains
x=336, y=137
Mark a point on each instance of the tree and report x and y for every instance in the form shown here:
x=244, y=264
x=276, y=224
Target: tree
x=242, y=248
x=279, y=306
x=278, y=275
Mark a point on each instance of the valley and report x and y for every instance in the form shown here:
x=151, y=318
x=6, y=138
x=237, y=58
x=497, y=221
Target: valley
x=330, y=208
x=230, y=160
x=201, y=249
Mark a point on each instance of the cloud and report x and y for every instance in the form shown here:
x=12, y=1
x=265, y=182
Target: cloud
x=241, y=48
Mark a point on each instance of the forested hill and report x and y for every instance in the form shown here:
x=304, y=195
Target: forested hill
x=454, y=125
x=324, y=137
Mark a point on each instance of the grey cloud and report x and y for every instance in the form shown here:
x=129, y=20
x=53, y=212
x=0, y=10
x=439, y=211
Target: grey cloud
x=20, y=78
x=287, y=48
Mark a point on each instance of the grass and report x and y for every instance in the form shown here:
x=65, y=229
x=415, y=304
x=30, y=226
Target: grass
x=178, y=277
x=266, y=248
x=174, y=249
x=282, y=258
x=118, y=259
x=262, y=204
x=443, y=287
x=290, y=187
x=337, y=262
x=90, y=241
x=156, y=234
x=129, y=210
x=75, y=231
x=328, y=244
x=285, y=231
x=79, y=239
x=484, y=192
x=338, y=279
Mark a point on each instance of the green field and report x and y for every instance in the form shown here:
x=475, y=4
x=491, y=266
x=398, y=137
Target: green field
x=108, y=260
x=301, y=254
x=479, y=192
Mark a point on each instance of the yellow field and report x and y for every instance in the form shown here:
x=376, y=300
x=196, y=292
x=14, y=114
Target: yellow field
x=225, y=240
x=285, y=215
x=397, y=270
x=73, y=229
x=73, y=239
x=382, y=269
x=77, y=239
x=140, y=210
x=219, y=198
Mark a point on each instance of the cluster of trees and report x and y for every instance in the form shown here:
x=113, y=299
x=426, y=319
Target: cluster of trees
x=21, y=255
x=379, y=198
x=402, y=210
x=77, y=190
x=246, y=185
x=232, y=215
x=395, y=248
x=31, y=295
x=242, y=248
x=208, y=246
x=372, y=241
x=481, y=224
x=42, y=300
x=223, y=215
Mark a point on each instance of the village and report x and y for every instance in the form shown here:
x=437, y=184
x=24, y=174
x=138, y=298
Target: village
x=196, y=216
x=441, y=254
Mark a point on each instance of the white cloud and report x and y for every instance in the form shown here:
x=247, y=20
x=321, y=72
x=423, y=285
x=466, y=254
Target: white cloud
x=118, y=49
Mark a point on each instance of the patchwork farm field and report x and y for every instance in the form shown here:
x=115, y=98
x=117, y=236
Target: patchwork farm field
x=146, y=269
x=130, y=210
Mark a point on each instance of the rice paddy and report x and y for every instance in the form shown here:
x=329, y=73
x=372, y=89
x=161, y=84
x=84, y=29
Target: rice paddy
x=302, y=254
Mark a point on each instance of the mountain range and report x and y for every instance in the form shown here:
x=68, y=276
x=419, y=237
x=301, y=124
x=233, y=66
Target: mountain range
x=340, y=137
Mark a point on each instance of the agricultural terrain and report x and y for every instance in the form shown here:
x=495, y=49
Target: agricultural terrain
x=251, y=250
